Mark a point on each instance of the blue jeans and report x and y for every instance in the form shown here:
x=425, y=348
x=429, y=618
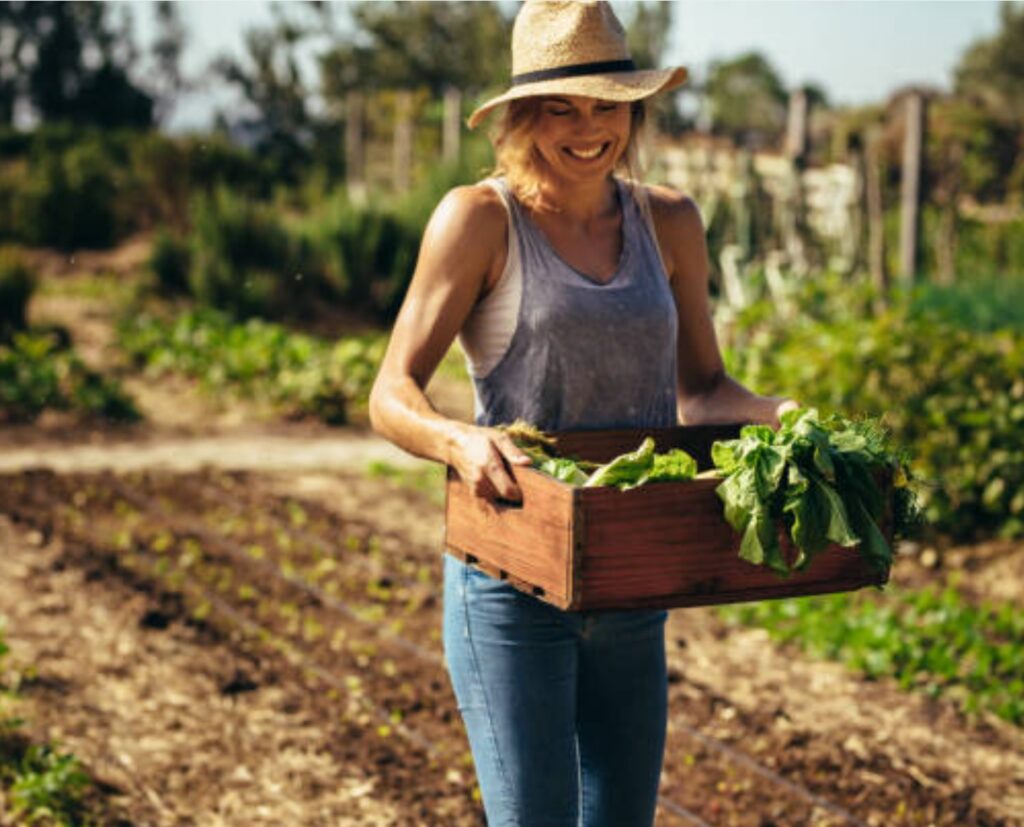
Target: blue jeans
x=565, y=711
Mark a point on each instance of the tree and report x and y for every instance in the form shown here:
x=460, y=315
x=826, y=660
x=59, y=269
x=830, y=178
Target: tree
x=168, y=47
x=430, y=45
x=748, y=100
x=992, y=70
x=68, y=62
x=278, y=124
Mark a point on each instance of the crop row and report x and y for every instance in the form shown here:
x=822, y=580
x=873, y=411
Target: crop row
x=301, y=375
x=39, y=782
x=264, y=568
x=929, y=640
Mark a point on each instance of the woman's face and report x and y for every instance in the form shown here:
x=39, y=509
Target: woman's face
x=581, y=138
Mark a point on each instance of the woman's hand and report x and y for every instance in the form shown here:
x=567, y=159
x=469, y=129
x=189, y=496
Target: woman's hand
x=482, y=457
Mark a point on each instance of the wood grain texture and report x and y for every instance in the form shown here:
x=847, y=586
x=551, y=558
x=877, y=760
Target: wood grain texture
x=530, y=543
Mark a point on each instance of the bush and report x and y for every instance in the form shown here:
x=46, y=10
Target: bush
x=368, y=252
x=955, y=399
x=16, y=287
x=169, y=261
x=69, y=199
x=37, y=374
x=300, y=375
x=244, y=261
x=64, y=186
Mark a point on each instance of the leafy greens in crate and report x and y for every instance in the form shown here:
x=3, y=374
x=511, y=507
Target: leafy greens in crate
x=817, y=478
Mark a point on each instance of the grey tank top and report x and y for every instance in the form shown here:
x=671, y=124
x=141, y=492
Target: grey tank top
x=587, y=354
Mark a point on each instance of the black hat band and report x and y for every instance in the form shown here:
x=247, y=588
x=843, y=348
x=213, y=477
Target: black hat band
x=577, y=70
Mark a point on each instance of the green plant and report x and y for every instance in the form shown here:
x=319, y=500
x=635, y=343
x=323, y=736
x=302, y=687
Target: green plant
x=49, y=784
x=16, y=287
x=45, y=786
x=928, y=640
x=952, y=397
x=244, y=261
x=301, y=375
x=169, y=261
x=36, y=374
x=69, y=198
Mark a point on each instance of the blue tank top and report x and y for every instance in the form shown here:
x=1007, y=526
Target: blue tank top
x=587, y=354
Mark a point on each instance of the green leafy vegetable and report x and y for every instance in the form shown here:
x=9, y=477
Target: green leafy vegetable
x=820, y=480
x=626, y=470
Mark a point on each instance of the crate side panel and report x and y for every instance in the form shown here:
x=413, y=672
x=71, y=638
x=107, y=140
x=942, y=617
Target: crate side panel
x=531, y=543
x=670, y=541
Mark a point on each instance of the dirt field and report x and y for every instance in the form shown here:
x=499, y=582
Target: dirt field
x=182, y=623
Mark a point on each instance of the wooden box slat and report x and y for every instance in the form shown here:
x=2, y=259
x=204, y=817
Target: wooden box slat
x=661, y=545
x=532, y=543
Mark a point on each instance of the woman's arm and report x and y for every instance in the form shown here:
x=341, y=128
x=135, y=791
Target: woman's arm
x=463, y=246
x=706, y=393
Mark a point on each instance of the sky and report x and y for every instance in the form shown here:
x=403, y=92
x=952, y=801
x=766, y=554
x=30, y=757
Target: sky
x=858, y=51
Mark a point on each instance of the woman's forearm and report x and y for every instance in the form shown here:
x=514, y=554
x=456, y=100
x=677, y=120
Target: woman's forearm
x=401, y=413
x=727, y=401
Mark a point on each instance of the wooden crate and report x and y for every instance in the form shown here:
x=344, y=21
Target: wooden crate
x=660, y=545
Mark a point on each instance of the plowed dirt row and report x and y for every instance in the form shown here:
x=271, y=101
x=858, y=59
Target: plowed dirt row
x=832, y=763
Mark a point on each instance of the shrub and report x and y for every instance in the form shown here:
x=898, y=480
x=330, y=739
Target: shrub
x=953, y=397
x=69, y=199
x=169, y=261
x=367, y=253
x=16, y=286
x=300, y=375
x=36, y=374
x=244, y=261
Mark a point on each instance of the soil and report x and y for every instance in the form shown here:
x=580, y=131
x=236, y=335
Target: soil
x=338, y=610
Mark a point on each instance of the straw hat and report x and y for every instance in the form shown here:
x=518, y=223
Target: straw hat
x=575, y=47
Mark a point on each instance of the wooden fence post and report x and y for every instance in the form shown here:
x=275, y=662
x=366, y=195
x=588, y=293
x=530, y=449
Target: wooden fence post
x=355, y=172
x=875, y=210
x=452, y=127
x=852, y=244
x=910, y=184
x=796, y=128
x=794, y=208
x=402, y=159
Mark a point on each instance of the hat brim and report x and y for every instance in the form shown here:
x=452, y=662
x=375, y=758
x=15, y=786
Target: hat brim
x=618, y=86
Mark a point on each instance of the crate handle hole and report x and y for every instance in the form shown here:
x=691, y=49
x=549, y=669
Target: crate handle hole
x=538, y=591
x=471, y=559
x=502, y=574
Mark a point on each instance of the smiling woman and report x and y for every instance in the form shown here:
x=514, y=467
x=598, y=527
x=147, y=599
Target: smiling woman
x=581, y=299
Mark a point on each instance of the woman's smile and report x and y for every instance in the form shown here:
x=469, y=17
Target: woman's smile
x=587, y=153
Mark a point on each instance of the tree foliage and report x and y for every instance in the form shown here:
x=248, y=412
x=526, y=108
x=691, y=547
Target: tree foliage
x=748, y=99
x=420, y=44
x=69, y=61
x=276, y=121
x=992, y=69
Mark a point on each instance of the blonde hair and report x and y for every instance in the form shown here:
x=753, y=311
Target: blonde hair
x=517, y=158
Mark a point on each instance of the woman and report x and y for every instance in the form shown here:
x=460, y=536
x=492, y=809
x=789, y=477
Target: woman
x=578, y=307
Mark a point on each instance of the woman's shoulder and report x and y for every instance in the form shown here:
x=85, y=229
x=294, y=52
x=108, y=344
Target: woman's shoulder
x=476, y=208
x=669, y=206
x=677, y=224
x=469, y=228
